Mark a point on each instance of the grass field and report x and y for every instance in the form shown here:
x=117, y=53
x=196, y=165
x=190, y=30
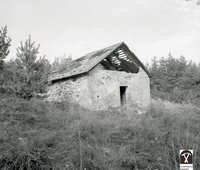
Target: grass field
x=39, y=135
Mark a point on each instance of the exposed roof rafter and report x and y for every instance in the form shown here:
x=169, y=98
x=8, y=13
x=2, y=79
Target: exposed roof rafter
x=117, y=57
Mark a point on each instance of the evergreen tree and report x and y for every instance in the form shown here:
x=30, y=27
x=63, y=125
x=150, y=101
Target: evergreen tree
x=175, y=79
x=4, y=44
x=31, y=70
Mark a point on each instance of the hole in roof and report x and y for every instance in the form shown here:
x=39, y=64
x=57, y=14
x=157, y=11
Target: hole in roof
x=120, y=61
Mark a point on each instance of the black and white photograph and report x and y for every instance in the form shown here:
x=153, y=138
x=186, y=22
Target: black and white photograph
x=100, y=85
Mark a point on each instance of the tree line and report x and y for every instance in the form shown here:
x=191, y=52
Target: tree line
x=27, y=74
x=173, y=79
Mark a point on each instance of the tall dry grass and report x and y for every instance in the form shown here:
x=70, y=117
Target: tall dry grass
x=40, y=135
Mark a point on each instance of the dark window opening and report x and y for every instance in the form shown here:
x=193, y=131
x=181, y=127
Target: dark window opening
x=123, y=95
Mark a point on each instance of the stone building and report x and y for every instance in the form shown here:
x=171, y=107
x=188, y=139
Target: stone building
x=112, y=77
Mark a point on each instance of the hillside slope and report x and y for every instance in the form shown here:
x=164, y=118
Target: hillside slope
x=39, y=135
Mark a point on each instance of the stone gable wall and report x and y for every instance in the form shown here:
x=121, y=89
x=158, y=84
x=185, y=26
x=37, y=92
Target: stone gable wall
x=104, y=86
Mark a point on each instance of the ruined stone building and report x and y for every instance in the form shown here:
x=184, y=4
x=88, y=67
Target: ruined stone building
x=112, y=77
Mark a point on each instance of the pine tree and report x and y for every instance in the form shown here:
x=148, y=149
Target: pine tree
x=31, y=72
x=4, y=44
x=175, y=79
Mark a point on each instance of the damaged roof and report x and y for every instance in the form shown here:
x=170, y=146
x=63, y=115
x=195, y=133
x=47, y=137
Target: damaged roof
x=87, y=62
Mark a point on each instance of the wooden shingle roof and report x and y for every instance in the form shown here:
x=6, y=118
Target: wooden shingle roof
x=86, y=63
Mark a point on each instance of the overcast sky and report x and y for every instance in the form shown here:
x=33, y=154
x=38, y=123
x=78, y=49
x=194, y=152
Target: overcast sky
x=149, y=27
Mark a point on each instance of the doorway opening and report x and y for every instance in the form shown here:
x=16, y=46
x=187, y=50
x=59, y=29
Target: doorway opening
x=123, y=95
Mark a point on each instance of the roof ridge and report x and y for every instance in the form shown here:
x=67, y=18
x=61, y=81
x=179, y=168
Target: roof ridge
x=105, y=48
x=87, y=62
x=97, y=51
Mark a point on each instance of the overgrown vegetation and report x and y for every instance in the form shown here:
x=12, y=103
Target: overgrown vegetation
x=35, y=134
x=27, y=74
x=175, y=79
x=172, y=79
x=40, y=135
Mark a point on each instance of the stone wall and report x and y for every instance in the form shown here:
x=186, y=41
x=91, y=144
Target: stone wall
x=74, y=90
x=104, y=86
x=100, y=90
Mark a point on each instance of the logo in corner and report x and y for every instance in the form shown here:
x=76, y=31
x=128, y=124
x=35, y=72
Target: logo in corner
x=186, y=159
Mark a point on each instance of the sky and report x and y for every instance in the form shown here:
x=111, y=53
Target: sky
x=76, y=27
